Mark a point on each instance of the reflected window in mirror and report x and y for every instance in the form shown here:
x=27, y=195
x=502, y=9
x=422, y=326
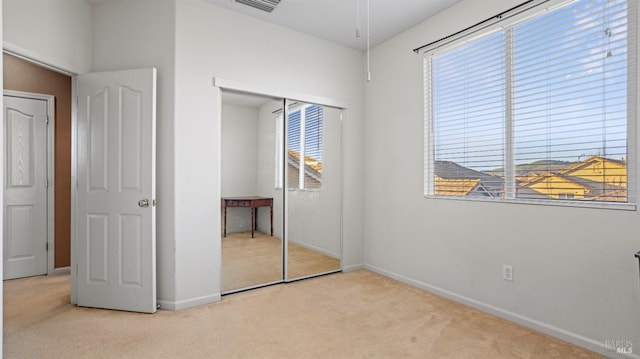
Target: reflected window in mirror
x=304, y=147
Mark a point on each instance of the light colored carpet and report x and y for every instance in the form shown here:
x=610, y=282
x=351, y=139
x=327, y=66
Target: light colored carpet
x=303, y=262
x=345, y=315
x=247, y=262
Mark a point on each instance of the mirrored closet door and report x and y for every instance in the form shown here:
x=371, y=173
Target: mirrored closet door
x=281, y=175
x=313, y=203
x=252, y=207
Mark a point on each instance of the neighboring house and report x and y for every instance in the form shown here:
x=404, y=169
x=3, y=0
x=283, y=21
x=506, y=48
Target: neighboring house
x=455, y=186
x=601, y=170
x=453, y=179
x=562, y=186
x=312, y=171
x=596, y=178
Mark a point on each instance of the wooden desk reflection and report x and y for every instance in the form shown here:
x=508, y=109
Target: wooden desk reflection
x=252, y=202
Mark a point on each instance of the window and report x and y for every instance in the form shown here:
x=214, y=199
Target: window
x=539, y=109
x=304, y=148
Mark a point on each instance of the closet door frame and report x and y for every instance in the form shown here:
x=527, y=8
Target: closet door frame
x=233, y=85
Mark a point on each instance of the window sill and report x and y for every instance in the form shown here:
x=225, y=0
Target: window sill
x=554, y=203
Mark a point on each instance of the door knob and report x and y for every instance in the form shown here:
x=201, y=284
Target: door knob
x=143, y=203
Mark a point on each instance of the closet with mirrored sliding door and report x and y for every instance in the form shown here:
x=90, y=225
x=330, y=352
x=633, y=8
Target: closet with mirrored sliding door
x=281, y=189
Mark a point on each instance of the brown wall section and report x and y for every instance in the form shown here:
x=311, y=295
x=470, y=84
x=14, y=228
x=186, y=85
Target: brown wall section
x=20, y=75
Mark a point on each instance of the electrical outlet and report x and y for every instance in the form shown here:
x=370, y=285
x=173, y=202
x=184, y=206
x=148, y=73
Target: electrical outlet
x=507, y=272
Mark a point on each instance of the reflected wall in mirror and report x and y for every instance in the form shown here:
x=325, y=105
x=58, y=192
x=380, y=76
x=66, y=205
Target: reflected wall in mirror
x=248, y=177
x=313, y=180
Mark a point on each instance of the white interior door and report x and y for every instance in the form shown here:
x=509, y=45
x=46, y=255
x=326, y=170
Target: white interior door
x=116, y=249
x=25, y=192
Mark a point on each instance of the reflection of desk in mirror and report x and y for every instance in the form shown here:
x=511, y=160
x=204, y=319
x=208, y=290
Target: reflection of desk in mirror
x=252, y=202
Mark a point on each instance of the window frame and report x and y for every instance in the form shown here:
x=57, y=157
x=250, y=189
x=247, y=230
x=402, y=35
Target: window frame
x=509, y=159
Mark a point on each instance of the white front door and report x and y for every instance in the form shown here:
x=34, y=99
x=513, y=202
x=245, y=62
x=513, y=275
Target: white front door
x=25, y=191
x=116, y=245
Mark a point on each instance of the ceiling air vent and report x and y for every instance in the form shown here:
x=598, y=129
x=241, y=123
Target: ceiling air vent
x=264, y=5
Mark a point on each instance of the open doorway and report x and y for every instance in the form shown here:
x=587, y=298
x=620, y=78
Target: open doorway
x=25, y=76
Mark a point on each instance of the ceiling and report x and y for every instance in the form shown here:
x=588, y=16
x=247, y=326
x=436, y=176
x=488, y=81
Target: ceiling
x=335, y=20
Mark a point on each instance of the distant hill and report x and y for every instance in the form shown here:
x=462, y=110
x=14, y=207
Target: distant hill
x=537, y=167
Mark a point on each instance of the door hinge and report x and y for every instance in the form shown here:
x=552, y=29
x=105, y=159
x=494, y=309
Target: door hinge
x=47, y=246
x=46, y=182
x=46, y=120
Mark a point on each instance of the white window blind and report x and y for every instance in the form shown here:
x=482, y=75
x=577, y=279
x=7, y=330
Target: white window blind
x=313, y=146
x=469, y=117
x=539, y=109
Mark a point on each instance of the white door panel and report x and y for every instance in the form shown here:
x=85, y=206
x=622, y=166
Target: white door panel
x=25, y=192
x=116, y=175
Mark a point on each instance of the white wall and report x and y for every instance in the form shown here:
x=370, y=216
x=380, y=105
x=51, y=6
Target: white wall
x=136, y=34
x=239, y=160
x=211, y=41
x=266, y=166
x=57, y=33
x=575, y=276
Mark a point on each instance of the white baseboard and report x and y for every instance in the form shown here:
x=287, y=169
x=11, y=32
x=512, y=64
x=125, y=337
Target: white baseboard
x=62, y=271
x=189, y=303
x=352, y=268
x=551, y=330
x=317, y=249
